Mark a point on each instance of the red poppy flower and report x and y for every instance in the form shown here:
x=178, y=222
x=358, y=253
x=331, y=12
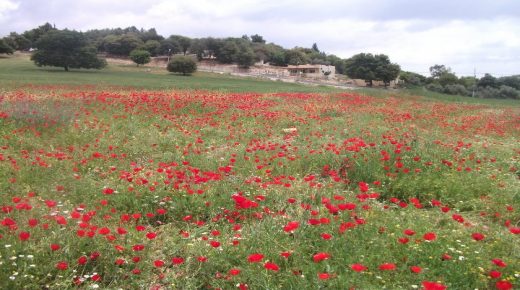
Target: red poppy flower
x=387, y=267
x=24, y=236
x=291, y=226
x=82, y=260
x=503, y=285
x=323, y=276
x=427, y=285
x=234, y=272
x=499, y=263
x=416, y=269
x=358, y=267
x=158, y=263
x=271, y=266
x=253, y=258
x=320, y=257
x=177, y=260
x=62, y=265
x=409, y=232
x=430, y=236
x=326, y=236
x=55, y=247
x=477, y=236
x=151, y=235
x=494, y=274
x=215, y=244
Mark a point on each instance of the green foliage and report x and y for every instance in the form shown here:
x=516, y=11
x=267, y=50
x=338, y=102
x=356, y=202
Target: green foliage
x=371, y=67
x=456, y=89
x=121, y=44
x=488, y=81
x=257, y=38
x=17, y=41
x=226, y=53
x=434, y=87
x=67, y=49
x=411, y=79
x=140, y=56
x=152, y=46
x=506, y=92
x=511, y=81
x=437, y=70
x=296, y=57
x=5, y=48
x=182, y=64
x=448, y=78
x=35, y=34
x=245, y=57
x=183, y=41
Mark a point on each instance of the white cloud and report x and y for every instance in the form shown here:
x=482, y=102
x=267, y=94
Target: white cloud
x=6, y=6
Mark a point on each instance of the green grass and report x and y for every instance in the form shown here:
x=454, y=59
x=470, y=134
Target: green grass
x=18, y=70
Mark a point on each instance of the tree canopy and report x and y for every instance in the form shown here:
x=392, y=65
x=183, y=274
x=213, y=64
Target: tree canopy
x=182, y=64
x=371, y=67
x=67, y=49
x=140, y=56
x=5, y=48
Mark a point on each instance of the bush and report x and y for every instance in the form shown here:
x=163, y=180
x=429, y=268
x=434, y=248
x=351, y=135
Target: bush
x=140, y=56
x=182, y=64
x=506, y=92
x=456, y=90
x=435, y=88
x=488, y=93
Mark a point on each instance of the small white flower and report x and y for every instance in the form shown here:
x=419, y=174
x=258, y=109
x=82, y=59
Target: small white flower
x=7, y=246
x=12, y=277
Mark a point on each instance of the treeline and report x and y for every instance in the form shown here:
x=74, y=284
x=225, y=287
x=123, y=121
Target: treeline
x=443, y=80
x=244, y=51
x=141, y=44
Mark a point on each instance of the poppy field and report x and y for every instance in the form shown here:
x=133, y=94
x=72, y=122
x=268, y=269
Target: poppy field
x=139, y=189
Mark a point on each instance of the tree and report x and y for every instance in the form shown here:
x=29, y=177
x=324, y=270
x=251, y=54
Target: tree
x=488, y=81
x=411, y=79
x=371, y=67
x=152, y=46
x=121, y=44
x=437, y=70
x=315, y=47
x=226, y=53
x=4, y=48
x=510, y=81
x=257, y=38
x=245, y=57
x=361, y=66
x=183, y=41
x=296, y=57
x=168, y=47
x=17, y=41
x=140, y=56
x=448, y=78
x=35, y=34
x=387, y=71
x=67, y=49
x=182, y=64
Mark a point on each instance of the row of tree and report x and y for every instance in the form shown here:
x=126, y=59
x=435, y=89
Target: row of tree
x=443, y=80
x=141, y=44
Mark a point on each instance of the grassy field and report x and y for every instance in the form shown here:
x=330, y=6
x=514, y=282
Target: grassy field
x=129, y=179
x=18, y=70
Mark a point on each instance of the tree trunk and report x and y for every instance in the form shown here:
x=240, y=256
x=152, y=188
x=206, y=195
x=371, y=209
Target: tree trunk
x=66, y=68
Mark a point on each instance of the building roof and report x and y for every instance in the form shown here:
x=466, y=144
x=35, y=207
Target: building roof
x=318, y=66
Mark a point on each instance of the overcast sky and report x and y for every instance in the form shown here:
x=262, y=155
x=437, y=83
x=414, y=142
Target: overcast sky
x=462, y=34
